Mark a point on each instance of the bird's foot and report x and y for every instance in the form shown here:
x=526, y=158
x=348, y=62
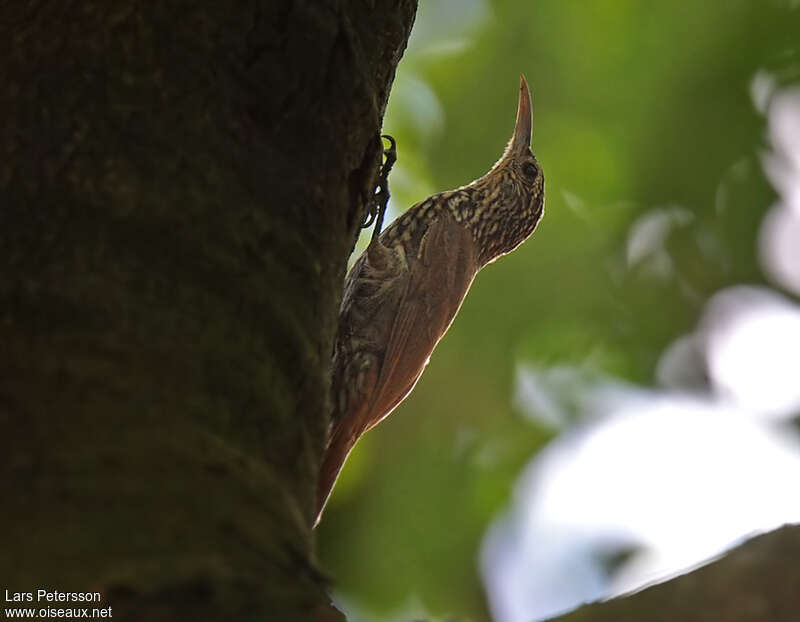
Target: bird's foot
x=381, y=198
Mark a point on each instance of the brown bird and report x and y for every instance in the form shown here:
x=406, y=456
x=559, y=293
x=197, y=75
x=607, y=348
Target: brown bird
x=402, y=294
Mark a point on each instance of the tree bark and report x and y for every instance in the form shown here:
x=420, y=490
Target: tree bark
x=181, y=186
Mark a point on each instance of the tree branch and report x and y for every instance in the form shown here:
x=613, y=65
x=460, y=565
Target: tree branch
x=756, y=582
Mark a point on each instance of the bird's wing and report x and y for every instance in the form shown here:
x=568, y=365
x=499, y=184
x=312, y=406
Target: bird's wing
x=425, y=296
x=440, y=276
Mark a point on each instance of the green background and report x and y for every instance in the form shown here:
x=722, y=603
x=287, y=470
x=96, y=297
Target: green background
x=638, y=105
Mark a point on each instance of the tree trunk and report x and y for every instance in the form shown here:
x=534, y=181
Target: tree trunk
x=182, y=184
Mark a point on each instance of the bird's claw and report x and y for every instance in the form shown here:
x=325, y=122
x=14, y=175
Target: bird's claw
x=381, y=199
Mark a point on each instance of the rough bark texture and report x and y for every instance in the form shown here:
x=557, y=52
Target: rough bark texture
x=757, y=582
x=181, y=185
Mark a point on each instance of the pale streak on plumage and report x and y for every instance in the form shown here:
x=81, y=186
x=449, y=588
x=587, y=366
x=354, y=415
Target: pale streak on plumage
x=404, y=291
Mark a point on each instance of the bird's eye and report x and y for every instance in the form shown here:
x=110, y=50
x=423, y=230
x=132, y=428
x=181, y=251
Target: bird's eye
x=529, y=170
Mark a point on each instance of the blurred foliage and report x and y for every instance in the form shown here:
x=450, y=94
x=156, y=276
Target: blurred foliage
x=638, y=106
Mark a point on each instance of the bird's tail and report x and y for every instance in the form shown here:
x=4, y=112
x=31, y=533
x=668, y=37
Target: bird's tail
x=341, y=442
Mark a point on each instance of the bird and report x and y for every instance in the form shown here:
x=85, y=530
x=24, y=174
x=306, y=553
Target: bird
x=403, y=292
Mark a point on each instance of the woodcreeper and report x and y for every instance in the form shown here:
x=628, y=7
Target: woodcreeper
x=403, y=292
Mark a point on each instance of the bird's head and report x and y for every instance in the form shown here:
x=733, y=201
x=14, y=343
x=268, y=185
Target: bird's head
x=511, y=194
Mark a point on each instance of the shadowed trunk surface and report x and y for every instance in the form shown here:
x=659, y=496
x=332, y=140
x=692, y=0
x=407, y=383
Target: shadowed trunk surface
x=181, y=185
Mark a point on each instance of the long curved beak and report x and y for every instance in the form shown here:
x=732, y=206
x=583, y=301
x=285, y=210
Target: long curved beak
x=523, y=130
